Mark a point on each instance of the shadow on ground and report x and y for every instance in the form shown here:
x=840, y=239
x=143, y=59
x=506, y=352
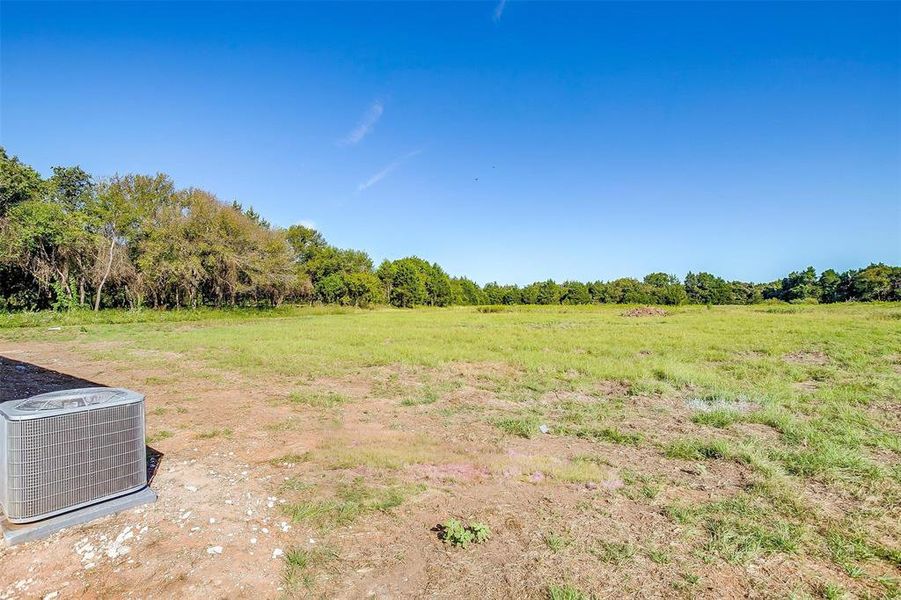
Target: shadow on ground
x=21, y=380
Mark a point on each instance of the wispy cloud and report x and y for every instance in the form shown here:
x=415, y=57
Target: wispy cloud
x=499, y=10
x=372, y=116
x=387, y=171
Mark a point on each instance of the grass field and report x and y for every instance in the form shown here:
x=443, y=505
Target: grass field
x=712, y=452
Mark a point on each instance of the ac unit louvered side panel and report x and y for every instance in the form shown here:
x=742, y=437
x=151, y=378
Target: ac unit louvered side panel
x=64, y=461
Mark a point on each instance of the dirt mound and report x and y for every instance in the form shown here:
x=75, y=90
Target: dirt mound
x=807, y=358
x=645, y=311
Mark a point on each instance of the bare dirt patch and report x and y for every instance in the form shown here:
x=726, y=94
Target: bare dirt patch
x=645, y=311
x=356, y=486
x=809, y=386
x=805, y=357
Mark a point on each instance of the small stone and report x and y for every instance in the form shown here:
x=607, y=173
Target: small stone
x=214, y=550
x=543, y=428
x=277, y=553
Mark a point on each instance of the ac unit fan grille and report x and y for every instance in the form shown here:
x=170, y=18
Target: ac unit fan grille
x=59, y=462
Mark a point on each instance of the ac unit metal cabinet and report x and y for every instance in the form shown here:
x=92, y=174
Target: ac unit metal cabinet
x=66, y=450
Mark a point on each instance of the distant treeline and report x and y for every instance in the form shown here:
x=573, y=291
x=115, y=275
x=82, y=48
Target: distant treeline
x=135, y=240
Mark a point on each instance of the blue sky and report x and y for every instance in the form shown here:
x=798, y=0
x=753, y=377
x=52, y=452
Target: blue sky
x=510, y=142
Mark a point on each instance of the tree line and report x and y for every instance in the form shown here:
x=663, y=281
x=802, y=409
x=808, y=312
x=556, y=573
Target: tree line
x=71, y=240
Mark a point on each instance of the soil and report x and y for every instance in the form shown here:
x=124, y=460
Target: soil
x=645, y=311
x=807, y=358
x=234, y=454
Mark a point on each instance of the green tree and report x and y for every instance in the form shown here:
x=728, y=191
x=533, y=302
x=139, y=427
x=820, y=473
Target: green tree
x=800, y=286
x=704, y=288
x=18, y=182
x=364, y=289
x=407, y=284
x=877, y=282
x=829, y=285
x=663, y=288
x=465, y=292
x=574, y=292
x=332, y=289
x=549, y=292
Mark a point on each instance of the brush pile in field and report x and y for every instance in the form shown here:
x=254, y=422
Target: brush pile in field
x=645, y=311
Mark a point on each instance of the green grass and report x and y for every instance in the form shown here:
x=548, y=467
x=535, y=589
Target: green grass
x=523, y=427
x=566, y=592
x=613, y=552
x=555, y=542
x=427, y=395
x=320, y=399
x=350, y=501
x=793, y=447
x=299, y=567
x=214, y=433
x=159, y=436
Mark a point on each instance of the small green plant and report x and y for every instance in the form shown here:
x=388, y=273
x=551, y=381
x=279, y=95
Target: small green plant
x=158, y=436
x=716, y=418
x=524, y=427
x=299, y=563
x=660, y=557
x=613, y=552
x=555, y=542
x=608, y=434
x=480, y=532
x=427, y=395
x=694, y=449
x=565, y=592
x=214, y=433
x=455, y=533
x=317, y=399
x=830, y=591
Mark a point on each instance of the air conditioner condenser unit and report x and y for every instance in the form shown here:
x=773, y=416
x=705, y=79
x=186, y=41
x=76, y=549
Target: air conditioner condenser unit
x=63, y=451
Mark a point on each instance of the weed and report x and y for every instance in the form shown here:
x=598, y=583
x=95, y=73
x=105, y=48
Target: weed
x=565, y=592
x=716, y=418
x=694, y=449
x=455, y=533
x=657, y=556
x=427, y=395
x=480, y=532
x=523, y=427
x=830, y=591
x=613, y=552
x=609, y=434
x=159, y=436
x=318, y=399
x=290, y=459
x=555, y=542
x=350, y=501
x=738, y=541
x=299, y=563
x=214, y=433
x=680, y=514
